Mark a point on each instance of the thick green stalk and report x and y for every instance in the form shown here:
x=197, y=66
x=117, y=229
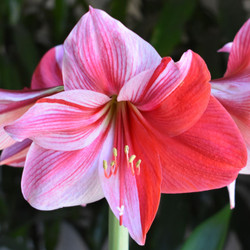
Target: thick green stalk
x=118, y=235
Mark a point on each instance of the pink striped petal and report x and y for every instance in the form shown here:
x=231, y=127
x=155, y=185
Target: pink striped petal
x=48, y=73
x=69, y=120
x=233, y=90
x=14, y=99
x=101, y=54
x=5, y=139
x=15, y=155
x=13, y=104
x=207, y=156
x=6, y=118
x=238, y=61
x=226, y=48
x=234, y=95
x=175, y=96
x=134, y=198
x=55, y=179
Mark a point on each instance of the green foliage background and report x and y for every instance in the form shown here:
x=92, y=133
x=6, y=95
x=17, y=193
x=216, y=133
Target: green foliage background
x=28, y=28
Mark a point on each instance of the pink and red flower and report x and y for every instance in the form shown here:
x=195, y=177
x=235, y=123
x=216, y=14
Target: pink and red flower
x=14, y=104
x=128, y=127
x=233, y=89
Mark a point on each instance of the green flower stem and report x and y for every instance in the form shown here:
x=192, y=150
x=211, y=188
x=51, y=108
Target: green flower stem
x=118, y=235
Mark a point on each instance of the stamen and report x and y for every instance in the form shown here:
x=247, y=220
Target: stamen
x=114, y=165
x=131, y=158
x=105, y=167
x=115, y=152
x=126, y=149
x=137, y=165
x=115, y=168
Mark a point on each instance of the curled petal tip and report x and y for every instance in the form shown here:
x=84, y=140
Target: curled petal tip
x=226, y=48
x=91, y=9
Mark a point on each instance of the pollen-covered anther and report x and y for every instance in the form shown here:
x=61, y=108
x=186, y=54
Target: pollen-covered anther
x=131, y=158
x=113, y=165
x=115, y=152
x=126, y=149
x=138, y=167
x=130, y=161
x=105, y=167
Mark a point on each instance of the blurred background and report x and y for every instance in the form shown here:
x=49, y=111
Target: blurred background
x=28, y=28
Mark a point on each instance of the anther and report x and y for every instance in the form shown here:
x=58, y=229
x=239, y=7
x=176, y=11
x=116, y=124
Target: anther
x=137, y=165
x=126, y=149
x=105, y=167
x=131, y=158
x=105, y=164
x=115, y=152
x=112, y=165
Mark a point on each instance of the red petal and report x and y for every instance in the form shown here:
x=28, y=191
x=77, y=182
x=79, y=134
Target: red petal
x=139, y=194
x=48, y=73
x=175, y=97
x=207, y=156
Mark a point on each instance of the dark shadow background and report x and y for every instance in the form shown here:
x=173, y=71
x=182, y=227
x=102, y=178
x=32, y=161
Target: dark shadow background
x=28, y=28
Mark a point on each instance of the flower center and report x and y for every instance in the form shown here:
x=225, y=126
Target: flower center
x=112, y=169
x=122, y=161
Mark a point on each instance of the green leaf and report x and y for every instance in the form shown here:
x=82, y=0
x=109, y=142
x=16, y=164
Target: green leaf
x=228, y=10
x=60, y=19
x=169, y=29
x=172, y=216
x=211, y=234
x=118, y=9
x=26, y=49
x=9, y=77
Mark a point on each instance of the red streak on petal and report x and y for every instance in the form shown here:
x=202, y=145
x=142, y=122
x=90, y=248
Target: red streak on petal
x=63, y=102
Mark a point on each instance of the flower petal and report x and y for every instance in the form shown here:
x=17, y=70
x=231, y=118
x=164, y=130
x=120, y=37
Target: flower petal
x=175, y=96
x=239, y=56
x=48, y=73
x=207, y=156
x=136, y=195
x=6, y=118
x=15, y=155
x=66, y=121
x=226, y=48
x=231, y=192
x=101, y=54
x=234, y=95
x=55, y=179
x=14, y=99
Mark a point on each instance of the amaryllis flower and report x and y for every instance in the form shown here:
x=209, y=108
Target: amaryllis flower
x=128, y=127
x=13, y=104
x=233, y=90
